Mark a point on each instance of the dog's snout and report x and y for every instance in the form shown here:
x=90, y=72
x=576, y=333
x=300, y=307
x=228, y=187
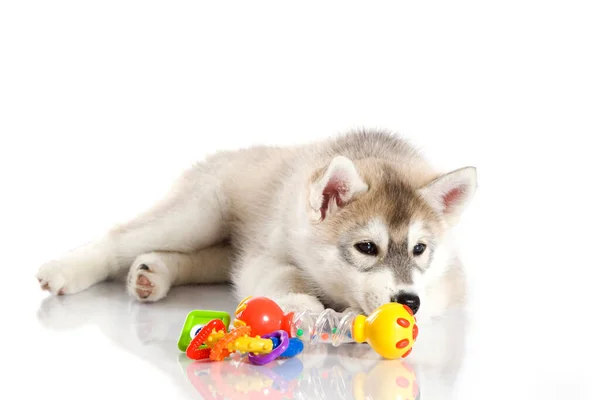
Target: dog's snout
x=409, y=299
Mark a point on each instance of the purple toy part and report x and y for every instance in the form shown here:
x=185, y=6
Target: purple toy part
x=262, y=359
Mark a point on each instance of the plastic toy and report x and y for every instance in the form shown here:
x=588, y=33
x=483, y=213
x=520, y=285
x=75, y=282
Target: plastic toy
x=263, y=316
x=264, y=332
x=390, y=330
x=195, y=321
x=212, y=341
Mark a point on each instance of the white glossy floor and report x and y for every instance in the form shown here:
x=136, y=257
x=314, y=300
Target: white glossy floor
x=101, y=344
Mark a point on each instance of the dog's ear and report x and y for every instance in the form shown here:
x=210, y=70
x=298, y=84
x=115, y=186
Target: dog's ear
x=449, y=194
x=333, y=187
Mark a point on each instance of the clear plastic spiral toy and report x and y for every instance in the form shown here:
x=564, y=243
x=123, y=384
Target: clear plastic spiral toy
x=328, y=326
x=390, y=330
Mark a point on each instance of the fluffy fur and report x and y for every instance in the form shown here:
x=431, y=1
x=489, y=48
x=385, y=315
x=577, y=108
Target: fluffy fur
x=284, y=223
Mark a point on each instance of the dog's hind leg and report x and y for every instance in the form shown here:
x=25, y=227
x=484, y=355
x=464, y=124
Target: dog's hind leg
x=193, y=216
x=152, y=274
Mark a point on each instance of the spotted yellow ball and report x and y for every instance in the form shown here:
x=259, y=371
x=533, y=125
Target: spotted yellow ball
x=391, y=330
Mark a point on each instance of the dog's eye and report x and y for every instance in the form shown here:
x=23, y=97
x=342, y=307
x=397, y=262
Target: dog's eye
x=419, y=249
x=368, y=248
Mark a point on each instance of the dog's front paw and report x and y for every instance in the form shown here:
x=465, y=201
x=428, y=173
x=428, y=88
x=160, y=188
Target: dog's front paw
x=77, y=270
x=51, y=278
x=297, y=302
x=63, y=277
x=148, y=279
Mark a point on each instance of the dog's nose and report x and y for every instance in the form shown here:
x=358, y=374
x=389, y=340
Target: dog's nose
x=409, y=299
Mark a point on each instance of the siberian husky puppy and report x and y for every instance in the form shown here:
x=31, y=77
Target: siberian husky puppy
x=351, y=222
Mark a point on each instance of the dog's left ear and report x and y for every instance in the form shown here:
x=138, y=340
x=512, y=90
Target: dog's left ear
x=334, y=187
x=449, y=194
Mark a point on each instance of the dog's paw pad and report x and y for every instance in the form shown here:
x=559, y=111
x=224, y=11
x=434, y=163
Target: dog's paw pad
x=148, y=279
x=144, y=286
x=43, y=284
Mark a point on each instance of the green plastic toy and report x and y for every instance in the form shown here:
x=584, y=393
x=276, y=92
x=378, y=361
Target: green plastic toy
x=195, y=321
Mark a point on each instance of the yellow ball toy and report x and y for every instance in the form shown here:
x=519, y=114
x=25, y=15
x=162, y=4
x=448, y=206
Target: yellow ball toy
x=390, y=330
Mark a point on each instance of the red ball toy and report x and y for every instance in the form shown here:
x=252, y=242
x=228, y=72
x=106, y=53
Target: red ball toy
x=263, y=316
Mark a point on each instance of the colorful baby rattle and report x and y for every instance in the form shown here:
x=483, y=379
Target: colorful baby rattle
x=264, y=332
x=390, y=330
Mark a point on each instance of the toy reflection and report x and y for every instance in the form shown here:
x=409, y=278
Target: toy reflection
x=292, y=379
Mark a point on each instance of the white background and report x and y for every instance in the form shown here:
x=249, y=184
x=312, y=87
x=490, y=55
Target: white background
x=102, y=104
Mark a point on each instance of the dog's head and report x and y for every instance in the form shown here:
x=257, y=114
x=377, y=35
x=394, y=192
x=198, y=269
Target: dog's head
x=379, y=232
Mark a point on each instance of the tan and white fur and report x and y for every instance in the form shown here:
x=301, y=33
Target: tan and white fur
x=293, y=223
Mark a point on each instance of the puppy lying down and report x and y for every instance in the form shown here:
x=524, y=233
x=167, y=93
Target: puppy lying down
x=354, y=221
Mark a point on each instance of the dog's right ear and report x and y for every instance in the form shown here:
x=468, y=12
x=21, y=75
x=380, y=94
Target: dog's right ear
x=334, y=188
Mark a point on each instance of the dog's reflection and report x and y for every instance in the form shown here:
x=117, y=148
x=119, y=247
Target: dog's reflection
x=150, y=332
